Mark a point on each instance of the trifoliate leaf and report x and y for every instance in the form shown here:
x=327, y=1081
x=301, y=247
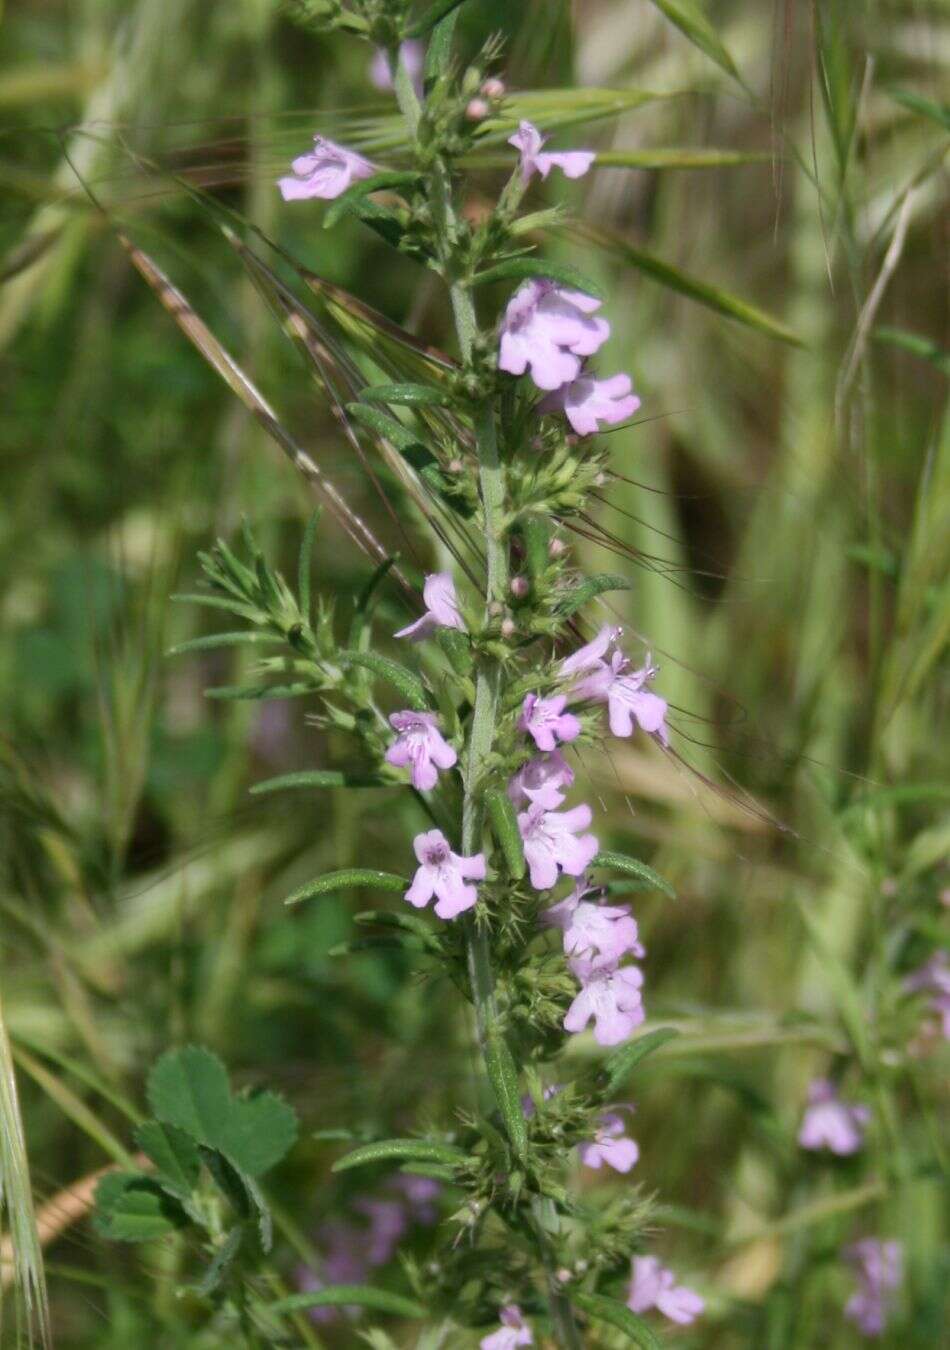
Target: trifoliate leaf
x=132, y=1207
x=174, y=1153
x=189, y=1088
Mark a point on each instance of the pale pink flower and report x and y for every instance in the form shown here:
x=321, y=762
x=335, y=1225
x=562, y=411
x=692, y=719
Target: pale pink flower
x=587, y=402
x=879, y=1268
x=388, y=1222
x=412, y=53
x=600, y=934
x=443, y=874
x=830, y=1123
x=553, y=840
x=590, y=657
x=539, y=782
x=611, y=1146
x=442, y=610
x=545, y=720
x=612, y=682
x=934, y=978
x=653, y=1286
x=547, y=330
x=528, y=140
x=514, y=1331
x=421, y=747
x=611, y=997
x=327, y=171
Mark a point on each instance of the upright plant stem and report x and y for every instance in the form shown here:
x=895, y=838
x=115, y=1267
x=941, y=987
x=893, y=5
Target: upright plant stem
x=488, y=679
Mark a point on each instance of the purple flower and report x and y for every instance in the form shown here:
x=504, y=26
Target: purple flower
x=546, y=721
x=388, y=1222
x=879, y=1270
x=421, y=747
x=830, y=1123
x=443, y=874
x=934, y=978
x=528, y=140
x=601, y=934
x=653, y=1286
x=327, y=171
x=539, y=782
x=548, y=330
x=442, y=609
x=412, y=54
x=420, y=1194
x=610, y=1146
x=590, y=657
x=514, y=1331
x=587, y=402
x=344, y=1262
x=611, y=997
x=552, y=840
x=612, y=682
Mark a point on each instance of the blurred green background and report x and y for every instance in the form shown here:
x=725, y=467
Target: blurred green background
x=775, y=251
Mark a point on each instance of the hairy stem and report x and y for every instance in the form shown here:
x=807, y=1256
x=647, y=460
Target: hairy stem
x=488, y=682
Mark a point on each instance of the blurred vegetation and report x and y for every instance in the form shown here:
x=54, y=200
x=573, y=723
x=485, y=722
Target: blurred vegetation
x=772, y=228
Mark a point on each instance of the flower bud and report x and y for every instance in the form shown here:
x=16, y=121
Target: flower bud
x=493, y=87
x=477, y=110
x=519, y=587
x=508, y=628
x=557, y=548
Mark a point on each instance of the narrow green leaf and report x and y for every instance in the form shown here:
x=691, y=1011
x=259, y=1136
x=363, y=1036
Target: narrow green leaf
x=402, y=437
x=524, y=269
x=408, y=685
x=174, y=1153
x=305, y=562
x=580, y=594
x=439, y=47
x=352, y=198
x=347, y=880
x=505, y=827
x=916, y=345
x=693, y=24
x=536, y=534
x=318, y=778
x=503, y=1075
x=436, y=13
x=937, y=112
x=633, y=867
x=403, y=1150
x=222, y=602
x=617, y=1315
x=681, y=157
x=714, y=297
x=345, y=1295
x=213, y=640
x=623, y=1061
x=259, y=692
x=407, y=395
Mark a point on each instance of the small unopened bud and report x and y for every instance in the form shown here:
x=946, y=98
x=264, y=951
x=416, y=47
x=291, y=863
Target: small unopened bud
x=564, y=1275
x=493, y=87
x=508, y=628
x=519, y=587
x=455, y=466
x=600, y=480
x=557, y=548
x=495, y=608
x=477, y=110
